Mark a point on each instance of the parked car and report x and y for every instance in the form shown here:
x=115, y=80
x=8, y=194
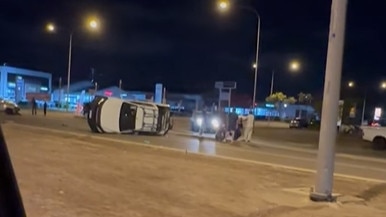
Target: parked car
x=298, y=123
x=9, y=107
x=376, y=135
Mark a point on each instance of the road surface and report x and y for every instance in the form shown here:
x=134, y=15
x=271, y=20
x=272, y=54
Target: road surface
x=280, y=132
x=372, y=166
x=61, y=174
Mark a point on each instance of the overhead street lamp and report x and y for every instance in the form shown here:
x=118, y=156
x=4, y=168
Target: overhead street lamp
x=223, y=6
x=351, y=84
x=50, y=27
x=294, y=66
x=383, y=85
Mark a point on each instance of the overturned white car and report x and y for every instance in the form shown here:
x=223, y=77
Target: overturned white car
x=9, y=107
x=113, y=115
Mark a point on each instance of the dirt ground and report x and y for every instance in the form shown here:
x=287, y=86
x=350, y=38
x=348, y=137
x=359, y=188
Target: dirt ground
x=62, y=175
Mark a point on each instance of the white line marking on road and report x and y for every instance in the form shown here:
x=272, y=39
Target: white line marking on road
x=266, y=144
x=200, y=154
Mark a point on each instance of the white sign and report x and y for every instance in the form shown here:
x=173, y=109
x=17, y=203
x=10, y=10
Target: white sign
x=158, y=93
x=377, y=114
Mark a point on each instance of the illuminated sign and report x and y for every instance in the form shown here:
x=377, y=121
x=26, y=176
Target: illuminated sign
x=108, y=93
x=377, y=114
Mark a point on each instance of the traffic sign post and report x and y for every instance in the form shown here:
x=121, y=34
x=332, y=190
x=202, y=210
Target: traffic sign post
x=225, y=91
x=225, y=94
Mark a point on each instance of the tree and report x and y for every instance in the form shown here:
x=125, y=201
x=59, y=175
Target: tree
x=278, y=99
x=301, y=97
x=290, y=100
x=305, y=98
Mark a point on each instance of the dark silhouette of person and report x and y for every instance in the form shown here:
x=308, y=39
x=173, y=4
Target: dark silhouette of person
x=34, y=105
x=45, y=108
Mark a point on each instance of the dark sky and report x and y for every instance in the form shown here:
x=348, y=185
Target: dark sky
x=188, y=45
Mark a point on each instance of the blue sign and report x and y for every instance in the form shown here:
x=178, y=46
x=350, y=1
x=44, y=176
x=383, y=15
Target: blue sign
x=158, y=93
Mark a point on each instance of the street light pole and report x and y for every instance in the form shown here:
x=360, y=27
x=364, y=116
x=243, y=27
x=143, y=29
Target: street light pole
x=256, y=60
x=364, y=108
x=60, y=91
x=272, y=81
x=328, y=129
x=69, y=72
x=224, y=5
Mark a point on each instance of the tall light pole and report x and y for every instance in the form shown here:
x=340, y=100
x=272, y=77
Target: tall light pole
x=351, y=84
x=223, y=6
x=293, y=66
x=69, y=72
x=272, y=82
x=60, y=91
x=328, y=130
x=92, y=24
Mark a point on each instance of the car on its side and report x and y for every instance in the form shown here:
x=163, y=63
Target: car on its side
x=9, y=107
x=113, y=115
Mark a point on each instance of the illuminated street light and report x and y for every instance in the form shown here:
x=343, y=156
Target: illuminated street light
x=50, y=27
x=294, y=66
x=223, y=5
x=92, y=24
x=351, y=84
x=383, y=85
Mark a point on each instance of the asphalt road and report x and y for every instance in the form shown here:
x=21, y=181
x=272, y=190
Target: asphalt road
x=280, y=132
x=373, y=166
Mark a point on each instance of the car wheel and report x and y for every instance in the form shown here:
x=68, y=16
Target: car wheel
x=9, y=111
x=379, y=143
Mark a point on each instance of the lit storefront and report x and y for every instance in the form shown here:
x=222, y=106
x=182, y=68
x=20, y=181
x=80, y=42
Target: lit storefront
x=17, y=84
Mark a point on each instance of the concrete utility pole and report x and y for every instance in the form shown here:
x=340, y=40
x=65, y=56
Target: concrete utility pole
x=328, y=130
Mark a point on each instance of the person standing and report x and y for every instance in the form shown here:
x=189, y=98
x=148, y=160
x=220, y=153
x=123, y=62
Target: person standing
x=248, y=127
x=34, y=105
x=45, y=108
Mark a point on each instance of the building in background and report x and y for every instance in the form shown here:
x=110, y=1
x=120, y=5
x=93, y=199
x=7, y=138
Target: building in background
x=79, y=92
x=20, y=85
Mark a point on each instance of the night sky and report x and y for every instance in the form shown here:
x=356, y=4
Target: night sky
x=188, y=45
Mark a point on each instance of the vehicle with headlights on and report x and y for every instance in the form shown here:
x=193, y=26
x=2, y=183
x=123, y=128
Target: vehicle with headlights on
x=298, y=123
x=208, y=122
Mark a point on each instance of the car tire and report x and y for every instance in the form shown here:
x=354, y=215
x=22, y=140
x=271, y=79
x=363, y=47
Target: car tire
x=9, y=111
x=379, y=143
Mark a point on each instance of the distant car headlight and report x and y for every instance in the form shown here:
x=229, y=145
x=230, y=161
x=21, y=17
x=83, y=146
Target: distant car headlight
x=199, y=121
x=215, y=123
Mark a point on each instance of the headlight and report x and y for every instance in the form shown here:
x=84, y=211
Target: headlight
x=199, y=121
x=215, y=123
